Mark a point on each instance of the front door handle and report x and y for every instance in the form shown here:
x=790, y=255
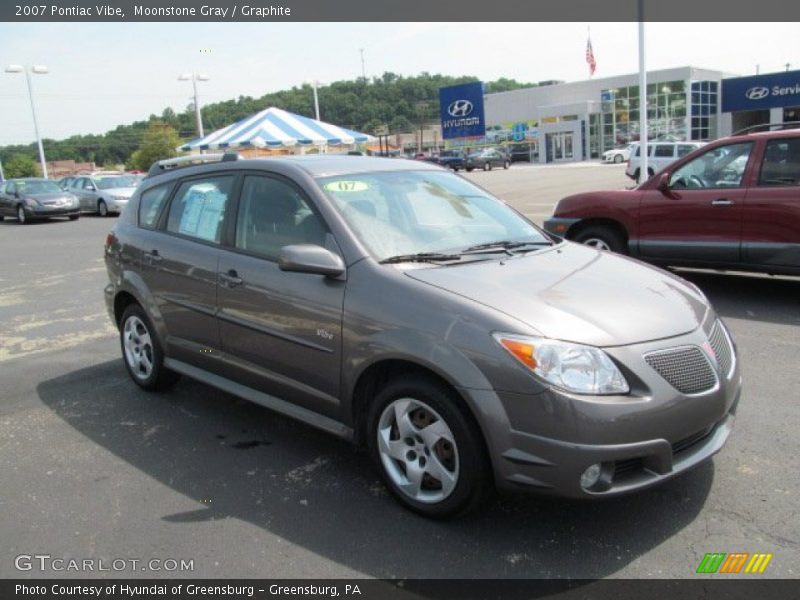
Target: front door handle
x=721, y=202
x=230, y=278
x=153, y=257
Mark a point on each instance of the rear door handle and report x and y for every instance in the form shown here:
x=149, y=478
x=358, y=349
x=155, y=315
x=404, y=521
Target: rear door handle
x=721, y=202
x=231, y=278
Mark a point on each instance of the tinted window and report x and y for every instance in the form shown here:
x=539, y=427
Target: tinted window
x=273, y=214
x=720, y=167
x=781, y=164
x=150, y=205
x=664, y=150
x=199, y=207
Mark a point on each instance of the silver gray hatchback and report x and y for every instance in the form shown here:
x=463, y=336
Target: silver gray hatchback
x=398, y=305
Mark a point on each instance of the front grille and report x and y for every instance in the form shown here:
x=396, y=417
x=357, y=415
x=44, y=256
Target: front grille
x=686, y=368
x=723, y=350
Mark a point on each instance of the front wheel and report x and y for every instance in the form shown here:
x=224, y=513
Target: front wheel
x=74, y=217
x=21, y=216
x=102, y=208
x=618, y=158
x=602, y=238
x=141, y=351
x=429, y=451
x=506, y=164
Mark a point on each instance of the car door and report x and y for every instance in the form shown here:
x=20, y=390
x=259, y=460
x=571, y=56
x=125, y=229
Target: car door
x=698, y=218
x=283, y=330
x=179, y=264
x=5, y=199
x=771, y=224
x=77, y=188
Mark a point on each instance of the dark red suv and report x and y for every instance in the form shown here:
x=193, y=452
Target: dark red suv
x=732, y=204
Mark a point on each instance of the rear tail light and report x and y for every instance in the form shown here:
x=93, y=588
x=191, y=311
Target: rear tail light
x=111, y=239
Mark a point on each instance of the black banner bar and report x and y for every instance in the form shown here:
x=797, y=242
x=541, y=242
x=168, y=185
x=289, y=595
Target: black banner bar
x=404, y=10
x=719, y=588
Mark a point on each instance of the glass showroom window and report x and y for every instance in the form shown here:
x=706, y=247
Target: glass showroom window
x=704, y=97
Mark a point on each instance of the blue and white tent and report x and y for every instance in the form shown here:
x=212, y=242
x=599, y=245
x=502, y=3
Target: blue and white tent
x=274, y=128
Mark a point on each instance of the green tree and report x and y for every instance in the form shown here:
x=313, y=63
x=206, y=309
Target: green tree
x=21, y=165
x=160, y=141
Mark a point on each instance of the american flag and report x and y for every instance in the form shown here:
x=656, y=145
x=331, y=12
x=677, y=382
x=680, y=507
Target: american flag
x=590, y=57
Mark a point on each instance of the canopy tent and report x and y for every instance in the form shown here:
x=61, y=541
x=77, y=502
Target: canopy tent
x=275, y=128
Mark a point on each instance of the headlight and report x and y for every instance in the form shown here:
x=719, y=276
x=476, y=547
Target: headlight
x=30, y=202
x=571, y=367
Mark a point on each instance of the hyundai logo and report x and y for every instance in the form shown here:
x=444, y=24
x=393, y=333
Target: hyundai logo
x=757, y=93
x=460, y=108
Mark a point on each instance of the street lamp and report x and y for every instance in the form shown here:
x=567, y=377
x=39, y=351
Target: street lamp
x=38, y=70
x=314, y=85
x=194, y=78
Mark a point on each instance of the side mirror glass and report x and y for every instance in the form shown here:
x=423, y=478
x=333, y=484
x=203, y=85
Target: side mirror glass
x=310, y=258
x=663, y=182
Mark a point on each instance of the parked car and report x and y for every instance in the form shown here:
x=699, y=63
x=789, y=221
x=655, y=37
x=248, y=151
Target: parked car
x=452, y=159
x=732, y=204
x=32, y=198
x=523, y=152
x=619, y=154
x=487, y=159
x=103, y=194
x=64, y=182
x=399, y=306
x=659, y=156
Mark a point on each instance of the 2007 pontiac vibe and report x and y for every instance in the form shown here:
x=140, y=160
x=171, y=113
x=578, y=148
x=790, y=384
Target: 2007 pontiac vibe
x=397, y=305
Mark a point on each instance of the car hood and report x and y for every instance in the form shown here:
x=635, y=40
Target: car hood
x=576, y=293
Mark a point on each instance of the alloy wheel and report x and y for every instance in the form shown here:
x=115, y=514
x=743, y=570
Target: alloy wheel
x=102, y=208
x=21, y=217
x=418, y=450
x=138, y=347
x=598, y=243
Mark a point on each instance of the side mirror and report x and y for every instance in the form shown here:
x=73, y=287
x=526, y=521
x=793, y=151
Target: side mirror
x=663, y=182
x=91, y=188
x=310, y=258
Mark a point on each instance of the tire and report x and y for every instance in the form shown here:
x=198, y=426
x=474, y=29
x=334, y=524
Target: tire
x=617, y=158
x=469, y=169
x=102, y=208
x=21, y=216
x=141, y=347
x=74, y=217
x=602, y=238
x=650, y=172
x=454, y=472
x=506, y=164
x=487, y=167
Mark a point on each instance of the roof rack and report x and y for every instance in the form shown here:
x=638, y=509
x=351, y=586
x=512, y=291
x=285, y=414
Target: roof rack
x=768, y=127
x=167, y=164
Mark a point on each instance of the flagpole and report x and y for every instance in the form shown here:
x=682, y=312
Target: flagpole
x=643, y=174
x=589, y=37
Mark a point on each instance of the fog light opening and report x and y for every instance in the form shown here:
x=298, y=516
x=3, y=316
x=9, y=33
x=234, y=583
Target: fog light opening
x=591, y=476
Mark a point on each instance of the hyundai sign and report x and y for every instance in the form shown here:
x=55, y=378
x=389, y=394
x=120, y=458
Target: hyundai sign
x=461, y=109
x=761, y=91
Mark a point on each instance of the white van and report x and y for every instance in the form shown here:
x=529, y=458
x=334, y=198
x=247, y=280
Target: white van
x=659, y=155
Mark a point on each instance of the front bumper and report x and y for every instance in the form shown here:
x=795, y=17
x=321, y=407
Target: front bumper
x=544, y=442
x=116, y=206
x=44, y=211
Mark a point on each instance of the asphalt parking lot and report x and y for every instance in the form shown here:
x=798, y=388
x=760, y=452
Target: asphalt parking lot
x=92, y=467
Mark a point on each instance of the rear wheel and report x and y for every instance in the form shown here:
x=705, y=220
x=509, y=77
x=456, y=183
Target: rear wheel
x=141, y=351
x=429, y=451
x=602, y=238
x=618, y=158
x=74, y=217
x=487, y=166
x=102, y=208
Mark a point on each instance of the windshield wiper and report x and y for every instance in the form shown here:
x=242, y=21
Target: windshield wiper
x=502, y=246
x=420, y=257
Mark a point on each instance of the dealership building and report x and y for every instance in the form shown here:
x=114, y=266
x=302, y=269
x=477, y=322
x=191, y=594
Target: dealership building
x=558, y=121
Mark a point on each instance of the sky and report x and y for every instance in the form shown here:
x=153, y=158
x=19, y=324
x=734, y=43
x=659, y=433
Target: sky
x=106, y=74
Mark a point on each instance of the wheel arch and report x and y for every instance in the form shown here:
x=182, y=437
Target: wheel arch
x=608, y=222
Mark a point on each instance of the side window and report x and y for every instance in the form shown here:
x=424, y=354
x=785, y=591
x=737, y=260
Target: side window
x=781, y=164
x=664, y=151
x=684, y=149
x=720, y=167
x=272, y=214
x=198, y=208
x=11, y=187
x=150, y=205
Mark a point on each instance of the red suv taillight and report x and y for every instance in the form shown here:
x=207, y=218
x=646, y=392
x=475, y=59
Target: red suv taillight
x=110, y=241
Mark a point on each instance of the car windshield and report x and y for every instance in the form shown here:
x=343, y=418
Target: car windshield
x=38, y=187
x=397, y=213
x=106, y=183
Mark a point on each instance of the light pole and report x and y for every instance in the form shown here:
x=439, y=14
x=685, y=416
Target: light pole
x=194, y=78
x=314, y=85
x=39, y=70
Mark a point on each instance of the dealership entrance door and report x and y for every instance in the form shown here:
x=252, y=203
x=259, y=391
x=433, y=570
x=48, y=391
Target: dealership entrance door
x=749, y=118
x=560, y=146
